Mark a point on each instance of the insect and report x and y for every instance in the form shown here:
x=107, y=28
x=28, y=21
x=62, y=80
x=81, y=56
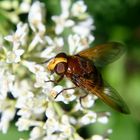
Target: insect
x=82, y=70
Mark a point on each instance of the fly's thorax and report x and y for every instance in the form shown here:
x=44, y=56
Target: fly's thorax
x=80, y=66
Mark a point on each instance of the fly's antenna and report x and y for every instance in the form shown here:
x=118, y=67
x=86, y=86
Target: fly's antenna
x=46, y=61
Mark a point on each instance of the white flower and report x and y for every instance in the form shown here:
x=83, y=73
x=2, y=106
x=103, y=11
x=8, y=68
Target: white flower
x=6, y=83
x=41, y=77
x=84, y=28
x=50, y=112
x=65, y=127
x=36, y=17
x=74, y=43
x=88, y=101
x=14, y=56
x=25, y=99
x=25, y=124
x=65, y=96
x=32, y=66
x=20, y=88
x=7, y=111
x=40, y=74
x=103, y=117
x=36, y=40
x=52, y=137
x=31, y=84
x=67, y=131
x=97, y=137
x=19, y=37
x=52, y=125
x=55, y=91
x=31, y=105
x=24, y=6
x=90, y=117
x=78, y=43
x=78, y=8
x=65, y=5
x=7, y=107
x=61, y=23
x=54, y=46
x=37, y=133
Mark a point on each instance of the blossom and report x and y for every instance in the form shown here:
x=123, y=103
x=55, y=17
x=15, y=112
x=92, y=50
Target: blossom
x=14, y=56
x=103, y=118
x=77, y=43
x=84, y=28
x=25, y=6
x=35, y=17
x=19, y=37
x=53, y=45
x=90, y=117
x=63, y=20
x=61, y=23
x=8, y=113
x=37, y=133
x=33, y=89
x=78, y=8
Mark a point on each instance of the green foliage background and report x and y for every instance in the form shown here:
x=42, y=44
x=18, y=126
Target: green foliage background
x=115, y=20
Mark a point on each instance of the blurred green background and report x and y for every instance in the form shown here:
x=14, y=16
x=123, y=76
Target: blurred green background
x=115, y=20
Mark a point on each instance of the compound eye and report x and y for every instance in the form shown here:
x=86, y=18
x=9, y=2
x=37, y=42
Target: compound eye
x=61, y=55
x=60, y=68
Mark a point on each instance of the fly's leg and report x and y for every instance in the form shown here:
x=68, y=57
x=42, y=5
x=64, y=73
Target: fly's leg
x=82, y=97
x=63, y=91
x=56, y=81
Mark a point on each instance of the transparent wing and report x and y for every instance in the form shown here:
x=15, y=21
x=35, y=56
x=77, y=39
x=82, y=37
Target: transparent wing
x=103, y=54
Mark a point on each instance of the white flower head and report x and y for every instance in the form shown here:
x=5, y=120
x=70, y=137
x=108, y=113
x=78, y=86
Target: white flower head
x=87, y=101
x=29, y=90
x=37, y=133
x=74, y=43
x=50, y=112
x=62, y=23
x=25, y=124
x=90, y=117
x=38, y=39
x=65, y=5
x=52, y=125
x=40, y=74
x=97, y=137
x=78, y=8
x=36, y=17
x=60, y=94
x=53, y=46
x=67, y=131
x=7, y=114
x=24, y=6
x=84, y=28
x=31, y=105
x=6, y=83
x=103, y=117
x=19, y=37
x=14, y=56
x=78, y=43
x=55, y=91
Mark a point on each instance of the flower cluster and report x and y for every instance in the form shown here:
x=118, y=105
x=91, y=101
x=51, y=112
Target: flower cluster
x=23, y=90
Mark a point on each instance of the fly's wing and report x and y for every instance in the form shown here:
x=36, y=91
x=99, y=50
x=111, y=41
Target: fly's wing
x=103, y=54
x=105, y=92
